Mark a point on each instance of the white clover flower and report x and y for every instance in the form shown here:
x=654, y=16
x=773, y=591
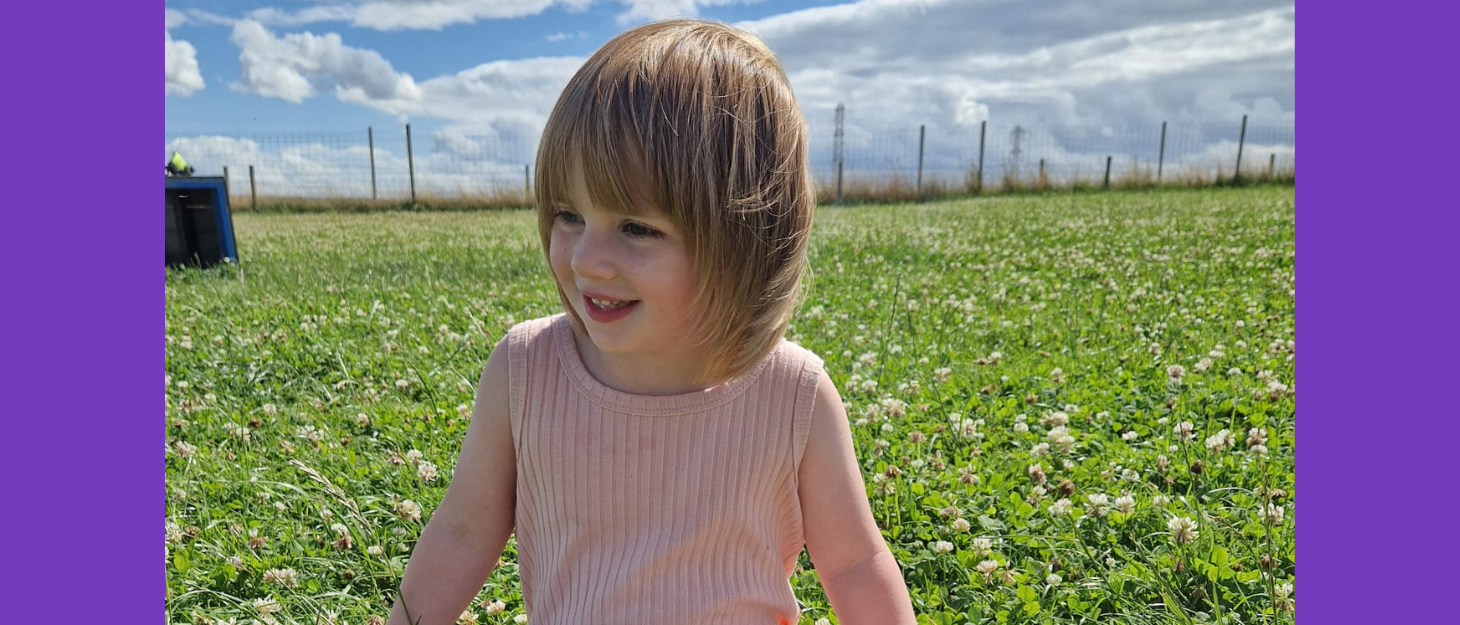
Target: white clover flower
x=339, y=528
x=887, y=428
x=1055, y=419
x=1183, y=530
x=1036, y=473
x=1021, y=428
x=1272, y=514
x=374, y=550
x=1221, y=440
x=493, y=608
x=286, y=577
x=183, y=449
x=408, y=510
x=1203, y=365
x=1256, y=436
x=1124, y=504
x=1130, y=436
x=426, y=471
x=987, y=567
x=401, y=384
x=1234, y=371
x=1039, y=450
x=309, y=432
x=981, y=547
x=1061, y=507
x=1184, y=430
x=1175, y=372
x=174, y=533
x=520, y=619
x=942, y=546
x=1057, y=375
x=266, y=606
x=1060, y=437
x=1160, y=501
x=1260, y=450
x=960, y=525
x=1053, y=580
x=1099, y=504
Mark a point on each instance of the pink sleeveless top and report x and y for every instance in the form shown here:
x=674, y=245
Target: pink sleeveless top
x=656, y=509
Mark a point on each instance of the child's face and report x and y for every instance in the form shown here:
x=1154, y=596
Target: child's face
x=622, y=257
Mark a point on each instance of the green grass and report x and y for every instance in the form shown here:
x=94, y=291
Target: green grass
x=299, y=383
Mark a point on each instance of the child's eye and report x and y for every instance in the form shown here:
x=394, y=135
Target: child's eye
x=635, y=230
x=640, y=231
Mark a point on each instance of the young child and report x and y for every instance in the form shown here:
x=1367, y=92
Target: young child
x=659, y=447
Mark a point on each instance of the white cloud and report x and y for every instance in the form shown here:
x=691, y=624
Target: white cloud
x=295, y=66
x=175, y=18
x=516, y=94
x=437, y=14
x=1063, y=69
x=928, y=60
x=650, y=10
x=272, y=16
x=182, y=74
x=520, y=91
x=388, y=15
x=561, y=36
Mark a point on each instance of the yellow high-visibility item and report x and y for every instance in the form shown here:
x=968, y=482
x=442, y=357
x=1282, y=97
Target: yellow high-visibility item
x=179, y=167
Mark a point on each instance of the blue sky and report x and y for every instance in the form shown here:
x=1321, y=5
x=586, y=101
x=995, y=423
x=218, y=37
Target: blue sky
x=492, y=68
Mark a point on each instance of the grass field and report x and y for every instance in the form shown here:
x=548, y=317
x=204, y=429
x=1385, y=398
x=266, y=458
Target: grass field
x=1067, y=408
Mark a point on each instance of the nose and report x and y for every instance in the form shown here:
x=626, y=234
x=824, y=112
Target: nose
x=593, y=257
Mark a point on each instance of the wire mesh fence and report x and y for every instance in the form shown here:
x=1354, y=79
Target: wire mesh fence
x=452, y=165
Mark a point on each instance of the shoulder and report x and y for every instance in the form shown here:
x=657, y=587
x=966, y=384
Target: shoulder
x=534, y=328
x=801, y=359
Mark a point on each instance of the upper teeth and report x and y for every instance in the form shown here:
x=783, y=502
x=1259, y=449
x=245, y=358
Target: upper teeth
x=607, y=303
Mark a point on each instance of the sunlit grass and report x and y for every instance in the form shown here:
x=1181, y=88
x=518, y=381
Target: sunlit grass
x=1137, y=346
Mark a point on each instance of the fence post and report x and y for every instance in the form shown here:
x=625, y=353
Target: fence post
x=1242, y=138
x=225, y=182
x=922, y=136
x=839, y=182
x=527, y=186
x=1161, y=160
x=982, y=130
x=1271, y=160
x=253, y=190
x=1040, y=180
x=370, y=135
x=411, y=164
x=841, y=111
x=1107, y=171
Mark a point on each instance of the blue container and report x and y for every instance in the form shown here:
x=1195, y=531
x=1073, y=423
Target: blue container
x=199, y=224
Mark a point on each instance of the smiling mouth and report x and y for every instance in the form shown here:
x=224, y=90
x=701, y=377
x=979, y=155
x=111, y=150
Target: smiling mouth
x=610, y=304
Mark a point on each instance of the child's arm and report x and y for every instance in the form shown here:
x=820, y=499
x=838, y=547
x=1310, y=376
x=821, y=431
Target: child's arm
x=466, y=534
x=857, y=571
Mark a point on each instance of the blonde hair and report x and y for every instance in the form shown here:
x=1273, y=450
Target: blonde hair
x=695, y=119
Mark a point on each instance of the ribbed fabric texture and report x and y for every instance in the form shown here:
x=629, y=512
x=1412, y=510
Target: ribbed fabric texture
x=644, y=509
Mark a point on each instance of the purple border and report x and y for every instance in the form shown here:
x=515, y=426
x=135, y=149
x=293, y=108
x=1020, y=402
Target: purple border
x=73, y=242
x=1379, y=290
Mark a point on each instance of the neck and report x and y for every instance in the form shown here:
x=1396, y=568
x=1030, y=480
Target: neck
x=644, y=374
